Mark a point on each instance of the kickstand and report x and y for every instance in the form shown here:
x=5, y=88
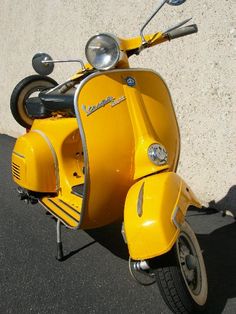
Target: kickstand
x=60, y=255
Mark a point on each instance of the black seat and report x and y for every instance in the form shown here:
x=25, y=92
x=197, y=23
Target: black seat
x=59, y=102
x=45, y=104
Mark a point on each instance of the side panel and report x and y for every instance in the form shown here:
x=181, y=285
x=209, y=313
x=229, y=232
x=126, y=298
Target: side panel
x=153, y=208
x=33, y=165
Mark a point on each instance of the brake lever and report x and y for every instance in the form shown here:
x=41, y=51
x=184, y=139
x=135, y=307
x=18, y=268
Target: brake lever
x=178, y=25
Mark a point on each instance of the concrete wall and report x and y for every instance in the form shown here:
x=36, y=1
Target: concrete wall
x=199, y=69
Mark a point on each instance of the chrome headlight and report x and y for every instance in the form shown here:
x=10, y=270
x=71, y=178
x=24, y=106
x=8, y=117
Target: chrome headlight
x=103, y=51
x=158, y=154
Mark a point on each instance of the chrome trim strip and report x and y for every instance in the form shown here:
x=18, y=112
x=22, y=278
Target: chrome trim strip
x=17, y=154
x=140, y=201
x=81, y=130
x=123, y=233
x=177, y=225
x=84, y=145
x=56, y=165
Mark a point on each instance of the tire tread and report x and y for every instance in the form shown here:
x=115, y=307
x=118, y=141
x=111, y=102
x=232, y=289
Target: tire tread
x=168, y=290
x=172, y=285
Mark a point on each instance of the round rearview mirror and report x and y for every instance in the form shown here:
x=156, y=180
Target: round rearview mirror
x=40, y=64
x=175, y=2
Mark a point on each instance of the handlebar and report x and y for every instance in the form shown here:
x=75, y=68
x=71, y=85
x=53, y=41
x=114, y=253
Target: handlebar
x=135, y=46
x=180, y=32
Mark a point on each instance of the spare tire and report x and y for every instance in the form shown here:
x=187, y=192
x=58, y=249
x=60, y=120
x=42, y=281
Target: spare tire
x=25, y=89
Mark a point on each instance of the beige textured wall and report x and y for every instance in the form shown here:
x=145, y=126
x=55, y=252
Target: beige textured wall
x=200, y=70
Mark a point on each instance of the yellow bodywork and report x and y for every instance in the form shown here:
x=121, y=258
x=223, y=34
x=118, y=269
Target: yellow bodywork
x=104, y=150
x=154, y=207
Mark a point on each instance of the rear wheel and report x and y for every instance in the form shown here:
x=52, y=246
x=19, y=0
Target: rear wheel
x=28, y=87
x=181, y=275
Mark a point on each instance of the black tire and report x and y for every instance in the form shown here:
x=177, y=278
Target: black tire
x=181, y=275
x=23, y=90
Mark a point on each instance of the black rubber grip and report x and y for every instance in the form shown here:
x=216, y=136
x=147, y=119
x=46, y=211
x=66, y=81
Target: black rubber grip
x=184, y=31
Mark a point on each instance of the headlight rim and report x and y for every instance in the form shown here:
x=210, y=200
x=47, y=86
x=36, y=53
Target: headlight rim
x=153, y=156
x=116, y=41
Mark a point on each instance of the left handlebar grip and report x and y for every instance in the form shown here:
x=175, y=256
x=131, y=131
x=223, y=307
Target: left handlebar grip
x=180, y=32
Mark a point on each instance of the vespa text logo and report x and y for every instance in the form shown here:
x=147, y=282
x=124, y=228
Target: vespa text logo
x=103, y=103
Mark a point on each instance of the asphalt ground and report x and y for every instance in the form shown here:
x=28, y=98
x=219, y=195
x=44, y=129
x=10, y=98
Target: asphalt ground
x=94, y=277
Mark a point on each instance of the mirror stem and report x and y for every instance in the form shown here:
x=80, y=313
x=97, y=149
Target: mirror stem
x=46, y=61
x=148, y=21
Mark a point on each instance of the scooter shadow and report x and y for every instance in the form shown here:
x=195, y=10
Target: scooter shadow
x=227, y=205
x=220, y=253
x=111, y=238
x=220, y=256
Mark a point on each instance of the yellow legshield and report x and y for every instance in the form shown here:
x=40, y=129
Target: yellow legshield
x=155, y=207
x=120, y=114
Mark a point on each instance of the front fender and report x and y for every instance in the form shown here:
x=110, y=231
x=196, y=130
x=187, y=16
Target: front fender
x=155, y=206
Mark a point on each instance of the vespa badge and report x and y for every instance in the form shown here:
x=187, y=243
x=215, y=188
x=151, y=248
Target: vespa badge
x=130, y=81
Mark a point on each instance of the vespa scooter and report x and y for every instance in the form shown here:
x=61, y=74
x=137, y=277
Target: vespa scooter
x=104, y=147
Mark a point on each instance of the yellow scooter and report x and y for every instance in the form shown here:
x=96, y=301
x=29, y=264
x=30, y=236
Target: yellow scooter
x=104, y=147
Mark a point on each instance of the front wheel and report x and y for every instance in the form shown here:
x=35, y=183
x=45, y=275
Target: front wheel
x=181, y=274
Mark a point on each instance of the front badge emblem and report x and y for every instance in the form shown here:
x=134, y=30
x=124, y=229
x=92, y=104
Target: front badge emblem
x=130, y=81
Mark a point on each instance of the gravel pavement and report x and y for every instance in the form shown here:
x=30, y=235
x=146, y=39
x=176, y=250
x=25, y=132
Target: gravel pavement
x=94, y=278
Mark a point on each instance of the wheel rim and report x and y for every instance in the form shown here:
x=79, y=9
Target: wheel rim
x=189, y=264
x=192, y=265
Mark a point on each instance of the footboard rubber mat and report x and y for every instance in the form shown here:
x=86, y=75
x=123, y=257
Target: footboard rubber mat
x=66, y=210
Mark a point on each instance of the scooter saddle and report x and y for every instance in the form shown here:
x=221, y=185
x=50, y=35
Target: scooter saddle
x=45, y=104
x=58, y=102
